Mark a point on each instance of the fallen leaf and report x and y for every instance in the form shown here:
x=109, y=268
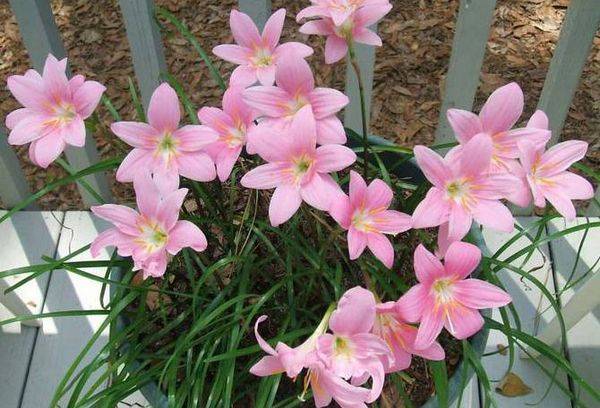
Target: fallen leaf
x=513, y=386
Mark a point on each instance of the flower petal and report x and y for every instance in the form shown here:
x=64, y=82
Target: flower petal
x=264, y=177
x=379, y=195
x=459, y=223
x=382, y=248
x=427, y=266
x=320, y=191
x=164, y=113
x=185, y=234
x=244, y=76
x=335, y=48
x=268, y=100
x=478, y=294
x=341, y=211
x=136, y=134
x=464, y=123
x=294, y=76
x=434, y=210
x=233, y=53
x=461, y=259
x=573, y=186
x=292, y=49
x=433, y=166
x=560, y=202
x=430, y=327
x=355, y=312
x=244, y=30
x=273, y=27
x=124, y=218
x=330, y=131
x=284, y=203
x=266, y=75
x=47, y=149
x=476, y=155
x=357, y=242
x=196, y=166
x=326, y=102
x=392, y=222
x=502, y=109
x=87, y=96
x=333, y=157
x=493, y=214
x=561, y=156
x=136, y=159
x=410, y=305
x=191, y=138
x=462, y=322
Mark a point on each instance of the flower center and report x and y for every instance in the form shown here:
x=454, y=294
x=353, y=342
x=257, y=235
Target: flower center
x=63, y=114
x=296, y=104
x=167, y=147
x=262, y=58
x=346, y=29
x=362, y=221
x=342, y=347
x=443, y=290
x=301, y=165
x=460, y=192
x=152, y=237
x=236, y=136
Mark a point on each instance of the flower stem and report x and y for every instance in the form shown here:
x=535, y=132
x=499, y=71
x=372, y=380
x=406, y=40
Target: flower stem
x=363, y=107
x=65, y=165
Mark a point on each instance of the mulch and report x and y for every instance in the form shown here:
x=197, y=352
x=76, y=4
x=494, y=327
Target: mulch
x=408, y=79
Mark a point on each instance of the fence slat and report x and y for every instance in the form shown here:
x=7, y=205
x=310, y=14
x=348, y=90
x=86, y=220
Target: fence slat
x=41, y=36
x=365, y=54
x=468, y=48
x=258, y=10
x=576, y=35
x=146, y=44
x=13, y=187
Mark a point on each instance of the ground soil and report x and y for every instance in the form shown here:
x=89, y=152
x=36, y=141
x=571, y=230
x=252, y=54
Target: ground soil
x=409, y=71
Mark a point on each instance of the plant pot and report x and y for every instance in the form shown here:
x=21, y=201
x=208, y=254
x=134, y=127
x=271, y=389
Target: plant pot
x=408, y=169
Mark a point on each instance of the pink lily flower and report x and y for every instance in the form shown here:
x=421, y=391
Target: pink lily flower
x=257, y=55
x=353, y=29
x=296, y=89
x=147, y=235
x=400, y=338
x=54, y=110
x=548, y=178
x=233, y=124
x=352, y=351
x=445, y=297
x=296, y=168
x=463, y=190
x=162, y=146
x=337, y=10
x=365, y=215
x=327, y=387
x=497, y=117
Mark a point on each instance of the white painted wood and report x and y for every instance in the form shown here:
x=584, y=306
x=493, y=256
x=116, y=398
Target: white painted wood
x=584, y=336
x=40, y=35
x=61, y=339
x=470, y=396
x=258, y=10
x=13, y=186
x=530, y=304
x=24, y=238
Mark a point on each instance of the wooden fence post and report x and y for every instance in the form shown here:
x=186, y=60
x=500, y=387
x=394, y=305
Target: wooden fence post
x=41, y=36
x=258, y=10
x=13, y=187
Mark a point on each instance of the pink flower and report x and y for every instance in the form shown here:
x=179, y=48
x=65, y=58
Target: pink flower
x=258, y=55
x=548, y=178
x=354, y=28
x=400, y=338
x=463, y=190
x=296, y=168
x=366, y=216
x=232, y=124
x=444, y=297
x=161, y=146
x=326, y=386
x=352, y=351
x=54, y=110
x=337, y=10
x=296, y=89
x=147, y=235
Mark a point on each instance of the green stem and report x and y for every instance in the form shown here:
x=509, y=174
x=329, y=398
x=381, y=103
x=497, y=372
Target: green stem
x=363, y=108
x=63, y=163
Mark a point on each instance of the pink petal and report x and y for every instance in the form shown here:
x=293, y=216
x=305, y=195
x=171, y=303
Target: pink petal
x=560, y=202
x=371, y=13
x=357, y=189
x=266, y=75
x=164, y=113
x=243, y=76
x=235, y=106
x=28, y=90
x=303, y=132
x=46, y=150
x=270, y=144
x=341, y=211
x=196, y=166
x=136, y=134
x=476, y=155
x=311, y=11
x=365, y=36
x=379, y=195
x=233, y=53
x=502, y=109
x=430, y=327
x=264, y=177
x=538, y=120
x=14, y=117
x=87, y=96
x=326, y=102
x=136, y=159
x=432, y=166
x=266, y=366
x=561, y=156
x=292, y=49
x=168, y=209
x=273, y=27
x=478, y=294
x=191, y=138
x=434, y=210
x=464, y=123
x=459, y=223
x=443, y=241
x=294, y=75
x=434, y=352
x=462, y=322
x=317, y=27
x=215, y=118
x=147, y=195
x=357, y=242
x=225, y=162
x=185, y=234
x=573, y=186
x=355, y=312
x=243, y=29
x=74, y=132
x=335, y=49
x=410, y=306
x=330, y=131
x=110, y=237
x=268, y=100
x=333, y=157
x=30, y=127
x=528, y=154
x=155, y=266
x=284, y=203
x=427, y=266
x=493, y=214
x=56, y=83
x=320, y=191
x=461, y=259
x=392, y=222
x=496, y=186
x=382, y=248
x=508, y=141
x=124, y=218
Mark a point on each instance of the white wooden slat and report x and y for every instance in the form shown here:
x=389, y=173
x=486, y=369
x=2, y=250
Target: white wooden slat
x=529, y=302
x=468, y=48
x=593, y=209
x=23, y=240
x=258, y=10
x=13, y=187
x=146, y=44
x=61, y=339
x=41, y=36
x=584, y=337
x=576, y=36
